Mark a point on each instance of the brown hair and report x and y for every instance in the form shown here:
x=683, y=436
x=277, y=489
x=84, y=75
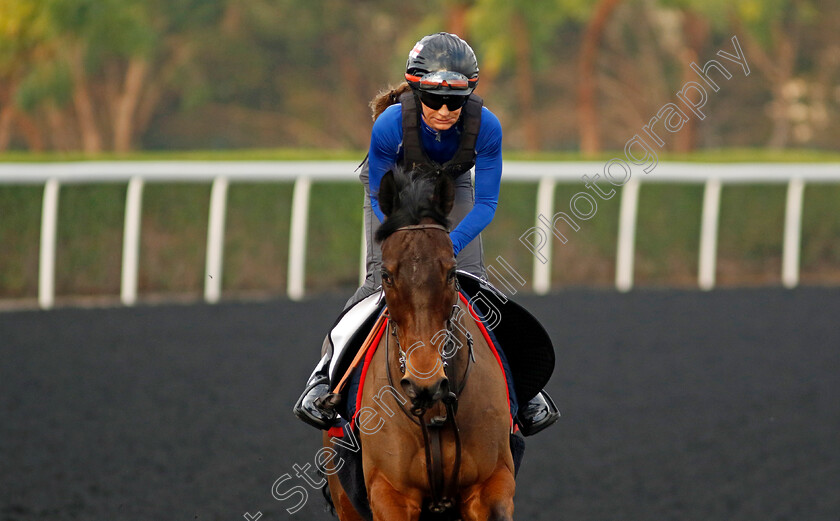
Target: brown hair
x=386, y=98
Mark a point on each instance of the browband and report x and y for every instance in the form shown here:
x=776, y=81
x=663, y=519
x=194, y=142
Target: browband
x=422, y=227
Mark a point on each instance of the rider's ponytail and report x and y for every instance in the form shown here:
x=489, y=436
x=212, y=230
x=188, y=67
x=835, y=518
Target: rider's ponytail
x=386, y=98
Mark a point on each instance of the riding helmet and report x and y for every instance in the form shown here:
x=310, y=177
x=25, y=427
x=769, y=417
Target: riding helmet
x=444, y=64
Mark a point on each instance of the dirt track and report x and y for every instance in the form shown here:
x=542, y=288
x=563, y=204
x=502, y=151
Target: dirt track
x=676, y=405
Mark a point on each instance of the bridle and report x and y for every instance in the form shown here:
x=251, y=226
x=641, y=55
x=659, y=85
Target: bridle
x=449, y=347
x=443, y=496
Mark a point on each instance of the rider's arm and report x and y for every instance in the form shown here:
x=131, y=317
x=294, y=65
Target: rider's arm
x=385, y=141
x=488, y=177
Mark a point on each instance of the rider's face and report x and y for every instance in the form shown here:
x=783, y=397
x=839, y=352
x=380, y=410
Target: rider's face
x=440, y=119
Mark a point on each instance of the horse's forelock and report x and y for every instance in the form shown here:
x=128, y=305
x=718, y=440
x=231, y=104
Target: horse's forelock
x=416, y=203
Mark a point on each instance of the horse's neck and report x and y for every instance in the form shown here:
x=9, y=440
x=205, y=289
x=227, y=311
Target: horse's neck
x=485, y=362
x=484, y=381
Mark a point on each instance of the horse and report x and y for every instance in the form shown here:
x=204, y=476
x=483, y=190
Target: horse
x=436, y=437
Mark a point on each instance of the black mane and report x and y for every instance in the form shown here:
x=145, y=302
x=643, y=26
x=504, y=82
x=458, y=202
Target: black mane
x=414, y=199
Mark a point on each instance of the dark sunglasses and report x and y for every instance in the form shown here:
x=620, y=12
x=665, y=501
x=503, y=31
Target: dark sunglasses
x=436, y=101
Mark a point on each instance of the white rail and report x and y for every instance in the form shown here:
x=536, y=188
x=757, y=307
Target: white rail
x=793, y=230
x=215, y=240
x=626, y=236
x=304, y=173
x=545, y=206
x=49, y=230
x=297, y=238
x=131, y=241
x=708, y=235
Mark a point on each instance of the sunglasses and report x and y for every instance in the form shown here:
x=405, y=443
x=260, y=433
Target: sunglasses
x=436, y=101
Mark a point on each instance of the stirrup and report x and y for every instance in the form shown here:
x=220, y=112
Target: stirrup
x=540, y=413
x=316, y=406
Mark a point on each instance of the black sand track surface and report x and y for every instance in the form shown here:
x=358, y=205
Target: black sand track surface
x=676, y=405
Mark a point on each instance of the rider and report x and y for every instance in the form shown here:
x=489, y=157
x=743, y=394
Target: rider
x=436, y=125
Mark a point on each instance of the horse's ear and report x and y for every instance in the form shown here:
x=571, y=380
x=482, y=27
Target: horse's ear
x=444, y=197
x=388, y=196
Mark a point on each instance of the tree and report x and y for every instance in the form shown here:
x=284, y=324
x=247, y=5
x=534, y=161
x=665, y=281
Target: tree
x=103, y=66
x=514, y=34
x=113, y=38
x=24, y=36
x=590, y=142
x=693, y=35
x=770, y=32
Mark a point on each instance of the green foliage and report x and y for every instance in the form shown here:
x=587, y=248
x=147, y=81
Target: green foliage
x=314, y=65
x=765, y=17
x=20, y=218
x=174, y=238
x=257, y=237
x=118, y=27
x=750, y=234
x=514, y=215
x=334, y=243
x=668, y=234
x=234, y=71
x=820, y=230
x=490, y=24
x=89, y=244
x=45, y=82
x=589, y=255
x=184, y=16
x=24, y=25
x=297, y=154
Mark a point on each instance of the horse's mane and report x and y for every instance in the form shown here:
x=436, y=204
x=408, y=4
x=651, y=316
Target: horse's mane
x=416, y=200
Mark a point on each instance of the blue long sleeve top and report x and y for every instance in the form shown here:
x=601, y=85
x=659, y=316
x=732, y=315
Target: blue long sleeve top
x=386, y=148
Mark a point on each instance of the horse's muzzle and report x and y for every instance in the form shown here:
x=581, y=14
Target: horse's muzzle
x=424, y=397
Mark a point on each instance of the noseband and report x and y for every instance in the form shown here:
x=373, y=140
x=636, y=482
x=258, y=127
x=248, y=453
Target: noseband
x=443, y=497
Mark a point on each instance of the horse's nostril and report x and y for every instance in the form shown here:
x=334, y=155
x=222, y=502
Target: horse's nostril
x=408, y=388
x=442, y=389
x=425, y=397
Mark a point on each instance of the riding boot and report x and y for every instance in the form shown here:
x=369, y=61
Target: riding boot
x=538, y=414
x=316, y=406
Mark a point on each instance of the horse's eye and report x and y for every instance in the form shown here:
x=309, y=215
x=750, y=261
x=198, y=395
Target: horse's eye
x=450, y=278
x=386, y=278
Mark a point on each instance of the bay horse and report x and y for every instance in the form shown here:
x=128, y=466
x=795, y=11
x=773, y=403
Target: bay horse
x=436, y=439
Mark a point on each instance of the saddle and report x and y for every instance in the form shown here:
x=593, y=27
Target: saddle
x=527, y=352
x=351, y=383
x=524, y=340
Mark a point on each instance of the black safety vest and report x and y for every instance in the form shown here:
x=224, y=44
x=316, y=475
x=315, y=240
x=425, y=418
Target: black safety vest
x=415, y=157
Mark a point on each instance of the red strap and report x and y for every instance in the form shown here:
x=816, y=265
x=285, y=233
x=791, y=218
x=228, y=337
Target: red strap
x=378, y=337
x=492, y=348
x=365, y=367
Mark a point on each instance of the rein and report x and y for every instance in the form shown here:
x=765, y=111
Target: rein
x=442, y=496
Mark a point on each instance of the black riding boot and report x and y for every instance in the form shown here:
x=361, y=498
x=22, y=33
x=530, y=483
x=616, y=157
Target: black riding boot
x=316, y=406
x=538, y=414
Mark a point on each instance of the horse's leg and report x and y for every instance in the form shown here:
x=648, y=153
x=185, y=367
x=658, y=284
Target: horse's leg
x=491, y=500
x=343, y=507
x=387, y=504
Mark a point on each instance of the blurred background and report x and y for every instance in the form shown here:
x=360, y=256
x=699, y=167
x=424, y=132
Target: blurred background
x=677, y=403
x=277, y=79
